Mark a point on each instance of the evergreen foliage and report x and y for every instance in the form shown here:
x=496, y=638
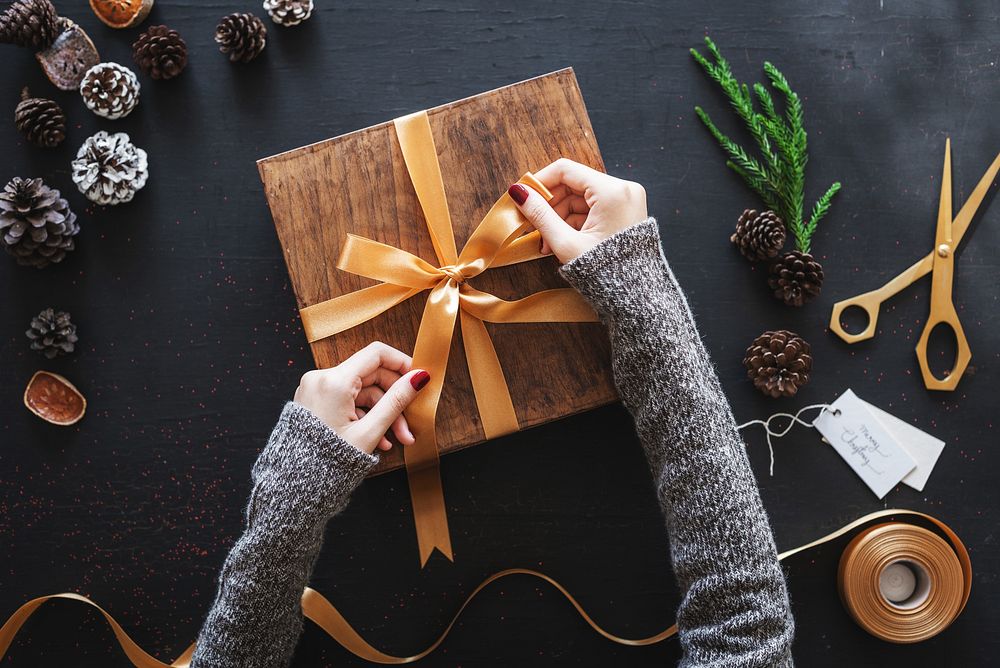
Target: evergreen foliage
x=777, y=174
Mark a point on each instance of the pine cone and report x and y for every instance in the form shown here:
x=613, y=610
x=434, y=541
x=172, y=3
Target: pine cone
x=242, y=36
x=288, y=12
x=36, y=223
x=110, y=90
x=31, y=23
x=42, y=121
x=160, y=52
x=796, y=278
x=109, y=169
x=759, y=236
x=52, y=333
x=778, y=363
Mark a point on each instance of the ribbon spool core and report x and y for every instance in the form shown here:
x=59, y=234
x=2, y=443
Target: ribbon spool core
x=904, y=584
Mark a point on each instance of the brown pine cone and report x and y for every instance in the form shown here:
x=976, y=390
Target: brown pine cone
x=36, y=224
x=31, y=23
x=42, y=121
x=778, y=363
x=242, y=36
x=160, y=52
x=759, y=236
x=796, y=278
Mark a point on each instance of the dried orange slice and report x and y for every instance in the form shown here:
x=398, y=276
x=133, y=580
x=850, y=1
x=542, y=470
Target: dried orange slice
x=54, y=399
x=122, y=13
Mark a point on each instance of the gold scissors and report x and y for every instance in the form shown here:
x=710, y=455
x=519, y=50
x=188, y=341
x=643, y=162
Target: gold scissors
x=940, y=261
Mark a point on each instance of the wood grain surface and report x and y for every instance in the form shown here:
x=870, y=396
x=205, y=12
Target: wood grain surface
x=190, y=339
x=358, y=183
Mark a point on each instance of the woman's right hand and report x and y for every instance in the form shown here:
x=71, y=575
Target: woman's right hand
x=587, y=207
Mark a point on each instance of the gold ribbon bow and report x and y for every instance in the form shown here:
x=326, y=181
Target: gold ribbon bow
x=502, y=238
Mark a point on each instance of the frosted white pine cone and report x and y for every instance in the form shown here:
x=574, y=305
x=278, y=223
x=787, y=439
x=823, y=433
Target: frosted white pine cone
x=109, y=168
x=288, y=12
x=110, y=90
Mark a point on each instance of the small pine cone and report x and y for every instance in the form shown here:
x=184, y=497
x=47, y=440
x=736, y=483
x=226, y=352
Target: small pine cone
x=42, y=121
x=52, y=333
x=796, y=278
x=242, y=36
x=778, y=363
x=30, y=23
x=759, y=236
x=288, y=12
x=160, y=52
x=110, y=169
x=110, y=90
x=36, y=224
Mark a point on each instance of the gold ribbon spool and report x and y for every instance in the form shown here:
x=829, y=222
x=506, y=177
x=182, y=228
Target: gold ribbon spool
x=932, y=581
x=889, y=543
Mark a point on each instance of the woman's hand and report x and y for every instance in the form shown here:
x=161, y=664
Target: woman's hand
x=587, y=207
x=364, y=396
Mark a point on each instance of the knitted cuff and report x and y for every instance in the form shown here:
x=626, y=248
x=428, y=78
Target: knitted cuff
x=631, y=256
x=307, y=468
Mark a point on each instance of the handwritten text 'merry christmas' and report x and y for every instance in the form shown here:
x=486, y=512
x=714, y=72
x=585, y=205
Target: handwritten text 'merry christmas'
x=857, y=436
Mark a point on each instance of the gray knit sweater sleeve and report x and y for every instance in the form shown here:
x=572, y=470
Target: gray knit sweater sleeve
x=302, y=478
x=735, y=609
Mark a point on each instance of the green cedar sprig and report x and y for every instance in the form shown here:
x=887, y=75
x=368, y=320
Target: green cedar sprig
x=778, y=174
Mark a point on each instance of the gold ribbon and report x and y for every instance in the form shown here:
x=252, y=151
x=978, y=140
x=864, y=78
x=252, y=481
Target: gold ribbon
x=317, y=608
x=504, y=237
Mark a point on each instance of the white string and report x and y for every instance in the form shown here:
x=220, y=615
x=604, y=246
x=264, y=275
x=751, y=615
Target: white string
x=791, y=423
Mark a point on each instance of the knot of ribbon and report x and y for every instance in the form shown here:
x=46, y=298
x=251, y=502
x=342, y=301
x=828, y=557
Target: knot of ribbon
x=454, y=273
x=504, y=237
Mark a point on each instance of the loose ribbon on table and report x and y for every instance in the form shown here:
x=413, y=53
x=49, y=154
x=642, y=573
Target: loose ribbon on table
x=504, y=237
x=323, y=613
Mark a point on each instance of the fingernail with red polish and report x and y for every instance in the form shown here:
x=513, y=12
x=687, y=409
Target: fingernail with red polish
x=518, y=193
x=419, y=379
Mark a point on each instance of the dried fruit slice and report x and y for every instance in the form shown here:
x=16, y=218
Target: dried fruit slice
x=122, y=13
x=69, y=57
x=54, y=399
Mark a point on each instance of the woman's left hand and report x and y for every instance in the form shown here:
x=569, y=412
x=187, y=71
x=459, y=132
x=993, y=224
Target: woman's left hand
x=364, y=396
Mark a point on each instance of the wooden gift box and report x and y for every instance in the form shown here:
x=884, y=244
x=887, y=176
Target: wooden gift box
x=358, y=183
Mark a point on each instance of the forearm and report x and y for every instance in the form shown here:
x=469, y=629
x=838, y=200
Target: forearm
x=735, y=609
x=302, y=478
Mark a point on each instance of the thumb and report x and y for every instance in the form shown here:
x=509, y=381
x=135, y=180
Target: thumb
x=400, y=394
x=556, y=232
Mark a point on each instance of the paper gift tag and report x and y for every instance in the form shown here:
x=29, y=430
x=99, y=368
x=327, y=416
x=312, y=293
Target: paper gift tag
x=864, y=443
x=921, y=446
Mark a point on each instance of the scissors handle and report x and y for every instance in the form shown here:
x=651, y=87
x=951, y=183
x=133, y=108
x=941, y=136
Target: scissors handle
x=944, y=314
x=870, y=302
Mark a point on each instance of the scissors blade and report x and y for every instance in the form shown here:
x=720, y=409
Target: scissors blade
x=959, y=226
x=943, y=233
x=964, y=217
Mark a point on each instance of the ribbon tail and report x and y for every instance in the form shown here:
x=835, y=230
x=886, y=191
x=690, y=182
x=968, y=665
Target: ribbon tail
x=341, y=313
x=437, y=328
x=429, y=512
x=496, y=409
x=556, y=305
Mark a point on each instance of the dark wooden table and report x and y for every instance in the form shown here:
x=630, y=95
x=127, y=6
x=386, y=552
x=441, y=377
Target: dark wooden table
x=190, y=341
